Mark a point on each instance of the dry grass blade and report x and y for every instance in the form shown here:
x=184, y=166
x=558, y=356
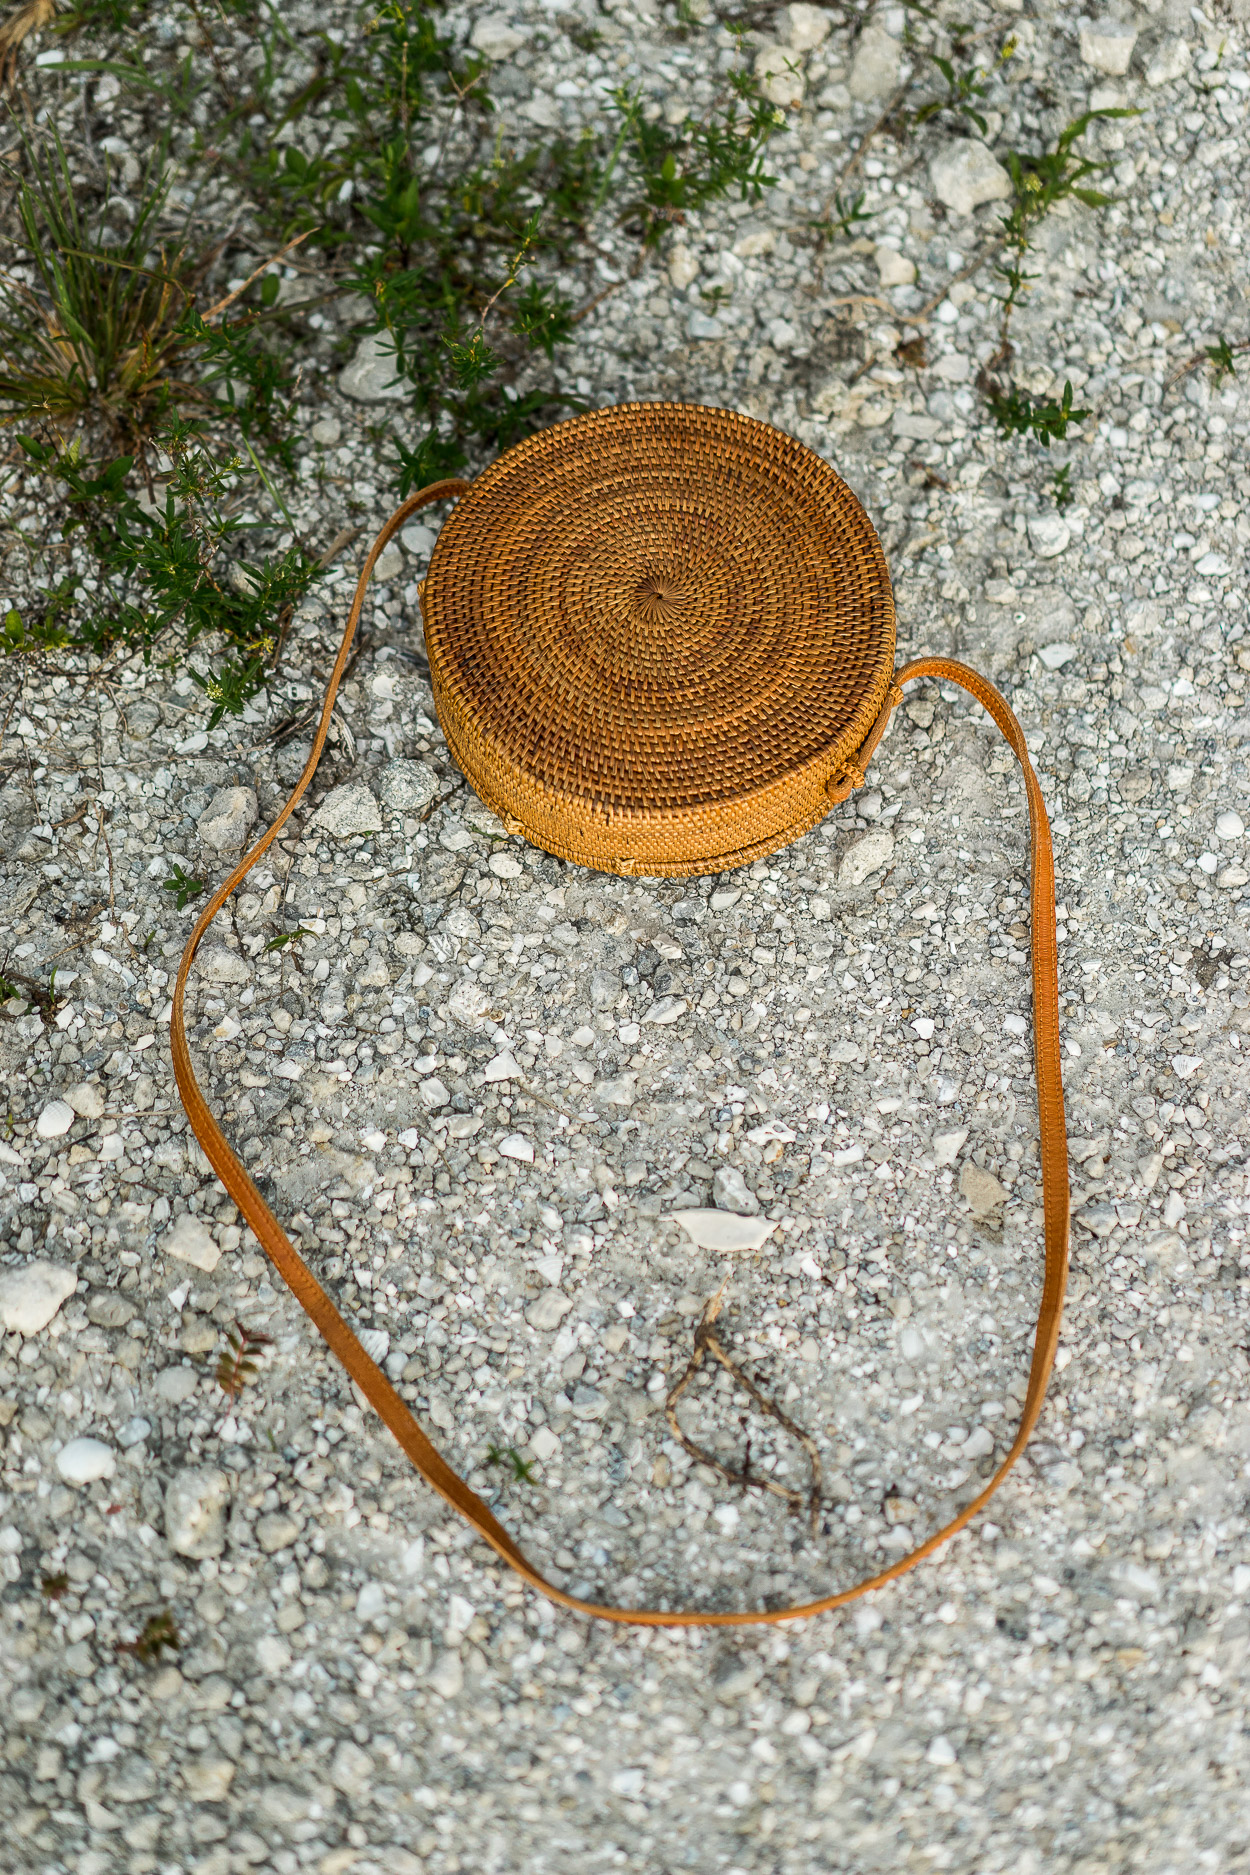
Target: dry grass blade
x=706, y=1341
x=28, y=19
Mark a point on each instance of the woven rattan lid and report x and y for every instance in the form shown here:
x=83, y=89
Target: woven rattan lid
x=656, y=634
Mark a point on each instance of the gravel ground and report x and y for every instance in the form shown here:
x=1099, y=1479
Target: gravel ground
x=483, y=1081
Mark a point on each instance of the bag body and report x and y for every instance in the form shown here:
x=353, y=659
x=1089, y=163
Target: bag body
x=656, y=634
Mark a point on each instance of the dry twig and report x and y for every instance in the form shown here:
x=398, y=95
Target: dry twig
x=707, y=1341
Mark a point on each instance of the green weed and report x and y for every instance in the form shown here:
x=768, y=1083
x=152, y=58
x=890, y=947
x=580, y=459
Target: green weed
x=1038, y=183
x=288, y=937
x=522, y=1469
x=1061, y=487
x=1043, y=418
x=183, y=886
x=158, y=1634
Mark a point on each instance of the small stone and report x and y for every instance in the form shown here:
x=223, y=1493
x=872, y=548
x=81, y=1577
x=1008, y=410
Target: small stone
x=277, y=1530
x=982, y=1190
x=868, y=855
x=348, y=812
x=683, y=267
x=195, y=1511
x=620, y=1090
x=504, y=866
x=30, y=1296
x=548, y=1310
x=433, y=1094
x=326, y=431
x=1107, y=46
x=447, y=1675
x=1049, y=535
x=208, y=1779
x=544, y=1444
x=780, y=75
x=350, y=1769
x=893, y=268
x=84, y=1461
x=1055, y=656
x=406, y=786
x=1184, y=1066
x=388, y=565
x=1179, y=776
x=1232, y=877
x=87, y=1099
x=227, y=820
x=217, y=963
x=191, y=1241
x=964, y=175
x=1229, y=825
x=495, y=39
x=372, y=376
x=1169, y=62
x=108, y=1309
x=874, y=69
x=804, y=27
x=175, y=1385
x=730, y=1192
x=722, y=1230
x=272, y=1654
x=948, y=1146
x=56, y=1118
x=516, y=1146
x=703, y=325
x=503, y=1067
x=418, y=540
x=725, y=897
x=666, y=1009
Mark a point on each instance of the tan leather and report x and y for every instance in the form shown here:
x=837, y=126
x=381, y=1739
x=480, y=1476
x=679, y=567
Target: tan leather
x=374, y=1384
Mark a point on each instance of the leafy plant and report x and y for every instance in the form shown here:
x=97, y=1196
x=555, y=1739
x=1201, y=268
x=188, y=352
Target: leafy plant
x=239, y=1362
x=845, y=215
x=1061, y=487
x=522, y=1469
x=284, y=938
x=99, y=333
x=682, y=168
x=52, y=1587
x=1037, y=183
x=183, y=886
x=1223, y=357
x=963, y=84
x=1043, y=418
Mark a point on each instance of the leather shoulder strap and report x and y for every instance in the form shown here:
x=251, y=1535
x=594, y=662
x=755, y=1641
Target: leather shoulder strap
x=370, y=1378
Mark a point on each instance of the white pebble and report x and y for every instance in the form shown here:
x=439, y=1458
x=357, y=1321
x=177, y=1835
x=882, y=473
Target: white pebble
x=516, y=1146
x=1229, y=825
x=83, y=1461
x=87, y=1100
x=190, y=1241
x=195, y=1511
x=721, y=1230
x=30, y=1296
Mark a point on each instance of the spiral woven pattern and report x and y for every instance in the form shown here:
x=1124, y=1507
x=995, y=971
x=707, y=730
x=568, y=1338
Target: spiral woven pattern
x=657, y=634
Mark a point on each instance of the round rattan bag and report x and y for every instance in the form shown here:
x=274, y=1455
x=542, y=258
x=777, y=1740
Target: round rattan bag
x=662, y=641
x=657, y=635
